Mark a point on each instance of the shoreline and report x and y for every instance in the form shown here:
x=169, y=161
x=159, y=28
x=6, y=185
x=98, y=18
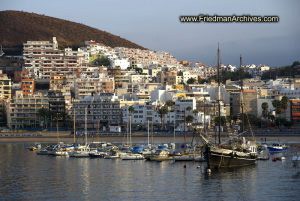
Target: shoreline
x=139, y=139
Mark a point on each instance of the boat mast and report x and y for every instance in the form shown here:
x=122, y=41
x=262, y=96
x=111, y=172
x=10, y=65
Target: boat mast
x=219, y=96
x=204, y=114
x=148, y=134
x=85, y=126
x=74, y=126
x=57, y=129
x=130, y=132
x=242, y=101
x=174, y=128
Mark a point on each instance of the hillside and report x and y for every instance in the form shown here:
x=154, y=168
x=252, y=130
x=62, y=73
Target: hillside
x=16, y=27
x=292, y=70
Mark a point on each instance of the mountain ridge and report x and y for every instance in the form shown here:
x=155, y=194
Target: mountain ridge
x=17, y=27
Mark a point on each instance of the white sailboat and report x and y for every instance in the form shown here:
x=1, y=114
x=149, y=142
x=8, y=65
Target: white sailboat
x=83, y=150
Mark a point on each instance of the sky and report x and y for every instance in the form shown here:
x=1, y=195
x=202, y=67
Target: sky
x=154, y=24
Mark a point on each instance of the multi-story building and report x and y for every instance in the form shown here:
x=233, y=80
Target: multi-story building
x=295, y=110
x=24, y=111
x=5, y=87
x=103, y=110
x=249, y=102
x=57, y=108
x=42, y=58
x=90, y=86
x=28, y=86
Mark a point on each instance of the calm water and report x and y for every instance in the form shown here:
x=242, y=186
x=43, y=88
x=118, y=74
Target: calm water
x=27, y=176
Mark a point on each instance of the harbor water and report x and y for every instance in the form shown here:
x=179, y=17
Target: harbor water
x=27, y=176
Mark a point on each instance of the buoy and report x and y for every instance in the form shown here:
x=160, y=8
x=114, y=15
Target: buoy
x=208, y=171
x=184, y=166
x=198, y=166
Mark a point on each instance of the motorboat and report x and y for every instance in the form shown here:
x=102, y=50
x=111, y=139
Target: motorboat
x=277, y=147
x=263, y=152
x=35, y=147
x=80, y=152
x=160, y=155
x=98, y=154
x=131, y=156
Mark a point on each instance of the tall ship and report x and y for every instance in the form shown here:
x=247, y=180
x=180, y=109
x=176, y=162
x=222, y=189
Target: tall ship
x=237, y=151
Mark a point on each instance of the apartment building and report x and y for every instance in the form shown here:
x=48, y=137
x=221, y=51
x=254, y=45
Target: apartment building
x=23, y=111
x=28, y=86
x=103, y=109
x=57, y=108
x=42, y=58
x=90, y=86
x=5, y=87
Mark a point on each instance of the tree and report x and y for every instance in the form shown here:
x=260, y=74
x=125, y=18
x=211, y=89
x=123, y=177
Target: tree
x=139, y=70
x=284, y=102
x=265, y=107
x=223, y=120
x=131, y=109
x=170, y=103
x=101, y=60
x=277, y=105
x=45, y=115
x=162, y=111
x=189, y=108
x=189, y=119
x=191, y=81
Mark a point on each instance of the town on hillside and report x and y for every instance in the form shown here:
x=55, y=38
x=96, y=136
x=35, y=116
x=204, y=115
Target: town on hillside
x=49, y=88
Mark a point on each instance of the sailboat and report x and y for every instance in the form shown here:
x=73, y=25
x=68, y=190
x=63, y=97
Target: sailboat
x=82, y=150
x=237, y=152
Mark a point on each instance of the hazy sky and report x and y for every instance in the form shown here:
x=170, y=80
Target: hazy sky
x=155, y=24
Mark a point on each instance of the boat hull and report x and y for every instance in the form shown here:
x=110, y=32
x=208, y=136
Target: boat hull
x=217, y=160
x=272, y=149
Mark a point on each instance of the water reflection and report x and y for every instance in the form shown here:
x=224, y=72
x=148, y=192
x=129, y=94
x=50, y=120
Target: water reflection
x=27, y=176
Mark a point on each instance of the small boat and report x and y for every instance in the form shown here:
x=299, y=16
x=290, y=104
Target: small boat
x=277, y=147
x=263, y=152
x=131, y=156
x=160, y=155
x=98, y=154
x=80, y=152
x=35, y=147
x=278, y=158
x=43, y=152
x=112, y=155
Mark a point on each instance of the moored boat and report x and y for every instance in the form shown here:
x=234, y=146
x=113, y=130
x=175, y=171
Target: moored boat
x=131, y=156
x=218, y=157
x=277, y=147
x=160, y=155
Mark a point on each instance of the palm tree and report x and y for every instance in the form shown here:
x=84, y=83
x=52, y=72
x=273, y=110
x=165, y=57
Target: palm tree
x=162, y=111
x=189, y=119
x=170, y=105
x=131, y=110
